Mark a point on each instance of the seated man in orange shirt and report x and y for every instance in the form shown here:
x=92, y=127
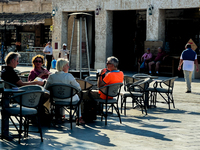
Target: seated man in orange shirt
x=112, y=76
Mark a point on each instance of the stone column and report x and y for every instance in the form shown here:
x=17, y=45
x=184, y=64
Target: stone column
x=59, y=31
x=64, y=31
x=156, y=25
x=103, y=38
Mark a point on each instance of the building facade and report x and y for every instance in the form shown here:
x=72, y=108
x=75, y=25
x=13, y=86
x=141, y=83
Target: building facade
x=126, y=28
x=25, y=27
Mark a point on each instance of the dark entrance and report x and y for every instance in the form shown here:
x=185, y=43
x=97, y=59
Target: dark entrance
x=129, y=34
x=180, y=26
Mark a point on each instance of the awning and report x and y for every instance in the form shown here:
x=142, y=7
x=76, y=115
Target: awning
x=24, y=19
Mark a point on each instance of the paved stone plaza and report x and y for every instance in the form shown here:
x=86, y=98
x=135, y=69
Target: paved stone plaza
x=175, y=129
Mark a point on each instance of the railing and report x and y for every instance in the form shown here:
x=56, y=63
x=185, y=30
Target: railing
x=35, y=49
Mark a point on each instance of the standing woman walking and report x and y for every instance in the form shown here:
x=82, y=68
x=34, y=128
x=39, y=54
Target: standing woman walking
x=48, y=51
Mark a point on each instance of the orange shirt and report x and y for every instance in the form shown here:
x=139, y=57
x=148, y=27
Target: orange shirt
x=112, y=77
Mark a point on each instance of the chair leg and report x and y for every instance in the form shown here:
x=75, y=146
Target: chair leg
x=121, y=103
x=172, y=99
x=141, y=106
x=117, y=110
x=27, y=127
x=78, y=115
x=101, y=107
x=145, y=108
x=133, y=103
x=2, y=124
x=168, y=100
x=112, y=109
x=52, y=115
x=20, y=128
x=125, y=106
x=106, y=115
x=39, y=128
x=154, y=98
x=150, y=99
x=70, y=117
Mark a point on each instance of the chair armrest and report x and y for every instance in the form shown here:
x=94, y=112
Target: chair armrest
x=134, y=86
x=128, y=84
x=156, y=83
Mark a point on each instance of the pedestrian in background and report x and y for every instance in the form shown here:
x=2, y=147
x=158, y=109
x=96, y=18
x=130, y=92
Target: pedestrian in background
x=48, y=51
x=64, y=53
x=188, y=58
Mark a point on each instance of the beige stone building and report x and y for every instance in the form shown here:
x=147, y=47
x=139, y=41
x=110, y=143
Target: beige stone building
x=125, y=28
x=25, y=26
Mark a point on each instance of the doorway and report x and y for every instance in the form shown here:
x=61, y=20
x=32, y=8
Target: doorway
x=129, y=34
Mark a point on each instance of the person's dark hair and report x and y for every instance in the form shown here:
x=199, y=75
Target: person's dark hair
x=10, y=56
x=188, y=46
x=113, y=60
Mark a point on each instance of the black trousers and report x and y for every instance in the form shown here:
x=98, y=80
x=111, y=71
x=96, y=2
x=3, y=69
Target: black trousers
x=49, y=59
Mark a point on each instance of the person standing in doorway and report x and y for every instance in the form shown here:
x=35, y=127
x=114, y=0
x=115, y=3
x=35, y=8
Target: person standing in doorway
x=48, y=51
x=64, y=53
x=188, y=58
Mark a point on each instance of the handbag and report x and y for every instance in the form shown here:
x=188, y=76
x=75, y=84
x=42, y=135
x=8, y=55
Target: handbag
x=142, y=66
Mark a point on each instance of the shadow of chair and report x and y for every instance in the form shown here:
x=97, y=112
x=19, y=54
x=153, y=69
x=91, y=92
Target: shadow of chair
x=111, y=90
x=165, y=89
x=61, y=95
x=29, y=106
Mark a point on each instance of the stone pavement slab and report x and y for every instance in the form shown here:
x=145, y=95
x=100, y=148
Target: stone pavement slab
x=175, y=129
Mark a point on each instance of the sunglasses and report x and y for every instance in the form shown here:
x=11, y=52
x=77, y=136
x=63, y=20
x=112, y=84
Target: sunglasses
x=108, y=63
x=38, y=61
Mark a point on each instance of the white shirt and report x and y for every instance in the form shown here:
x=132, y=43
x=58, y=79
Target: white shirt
x=62, y=77
x=64, y=53
x=188, y=64
x=48, y=49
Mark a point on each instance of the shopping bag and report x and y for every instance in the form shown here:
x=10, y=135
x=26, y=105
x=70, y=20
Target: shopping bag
x=142, y=66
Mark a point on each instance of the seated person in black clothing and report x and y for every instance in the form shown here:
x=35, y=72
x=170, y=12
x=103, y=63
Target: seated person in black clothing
x=8, y=74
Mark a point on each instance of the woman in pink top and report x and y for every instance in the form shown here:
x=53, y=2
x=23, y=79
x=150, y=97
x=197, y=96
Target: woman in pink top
x=38, y=70
x=146, y=57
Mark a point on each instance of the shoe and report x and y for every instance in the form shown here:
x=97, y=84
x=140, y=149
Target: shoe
x=188, y=92
x=81, y=121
